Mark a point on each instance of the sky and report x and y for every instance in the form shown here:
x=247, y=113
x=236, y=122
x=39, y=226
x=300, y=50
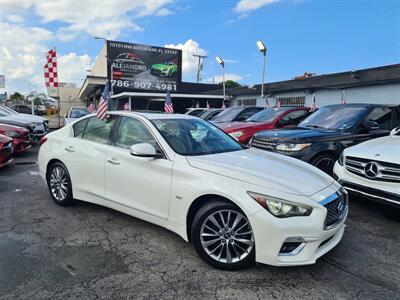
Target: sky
x=316, y=36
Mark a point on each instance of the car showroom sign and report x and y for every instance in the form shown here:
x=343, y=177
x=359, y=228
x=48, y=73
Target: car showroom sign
x=135, y=67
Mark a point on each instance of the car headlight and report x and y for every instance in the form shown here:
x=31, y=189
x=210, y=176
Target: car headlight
x=341, y=159
x=236, y=134
x=280, y=208
x=291, y=147
x=12, y=134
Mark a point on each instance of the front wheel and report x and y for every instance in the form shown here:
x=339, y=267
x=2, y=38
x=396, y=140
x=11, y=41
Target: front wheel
x=59, y=184
x=223, y=237
x=324, y=162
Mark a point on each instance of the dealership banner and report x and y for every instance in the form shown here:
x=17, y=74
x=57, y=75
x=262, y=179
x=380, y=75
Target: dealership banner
x=135, y=67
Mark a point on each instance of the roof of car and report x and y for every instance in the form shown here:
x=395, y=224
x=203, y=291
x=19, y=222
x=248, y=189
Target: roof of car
x=361, y=105
x=153, y=116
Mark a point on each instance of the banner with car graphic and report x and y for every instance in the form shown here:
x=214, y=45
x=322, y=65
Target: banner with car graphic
x=135, y=67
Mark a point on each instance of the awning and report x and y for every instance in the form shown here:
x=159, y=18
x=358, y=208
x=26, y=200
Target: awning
x=163, y=95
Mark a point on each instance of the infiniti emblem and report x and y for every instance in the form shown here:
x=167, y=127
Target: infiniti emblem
x=371, y=170
x=340, y=207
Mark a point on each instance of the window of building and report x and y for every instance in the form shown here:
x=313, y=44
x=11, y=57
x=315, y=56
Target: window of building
x=291, y=100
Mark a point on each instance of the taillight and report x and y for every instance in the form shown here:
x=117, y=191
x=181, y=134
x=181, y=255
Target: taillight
x=43, y=140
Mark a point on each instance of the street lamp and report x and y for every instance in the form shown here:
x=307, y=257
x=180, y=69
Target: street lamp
x=263, y=50
x=112, y=67
x=221, y=62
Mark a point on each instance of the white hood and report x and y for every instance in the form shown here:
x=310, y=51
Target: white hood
x=385, y=149
x=266, y=169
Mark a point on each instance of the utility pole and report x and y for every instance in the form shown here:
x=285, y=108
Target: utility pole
x=199, y=64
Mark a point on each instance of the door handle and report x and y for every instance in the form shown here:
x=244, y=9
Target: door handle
x=70, y=149
x=113, y=161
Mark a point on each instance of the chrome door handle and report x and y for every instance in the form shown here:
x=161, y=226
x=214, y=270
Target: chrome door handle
x=70, y=149
x=113, y=161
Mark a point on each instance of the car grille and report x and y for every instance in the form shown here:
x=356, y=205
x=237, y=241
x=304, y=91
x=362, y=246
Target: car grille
x=336, y=210
x=373, y=169
x=266, y=144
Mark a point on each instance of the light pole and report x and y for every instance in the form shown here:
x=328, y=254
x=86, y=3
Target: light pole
x=30, y=92
x=263, y=50
x=221, y=62
x=112, y=67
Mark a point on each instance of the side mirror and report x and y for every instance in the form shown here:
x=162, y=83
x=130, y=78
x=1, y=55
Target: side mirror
x=371, y=125
x=395, y=131
x=282, y=123
x=144, y=150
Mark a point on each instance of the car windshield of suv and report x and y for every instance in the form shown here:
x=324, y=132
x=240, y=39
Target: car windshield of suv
x=335, y=117
x=195, y=137
x=8, y=110
x=228, y=114
x=267, y=115
x=78, y=112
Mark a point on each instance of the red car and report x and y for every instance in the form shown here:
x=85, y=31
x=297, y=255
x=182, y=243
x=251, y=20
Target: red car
x=20, y=137
x=6, y=150
x=270, y=118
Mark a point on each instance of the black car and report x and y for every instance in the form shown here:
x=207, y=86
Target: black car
x=24, y=109
x=236, y=113
x=210, y=114
x=321, y=137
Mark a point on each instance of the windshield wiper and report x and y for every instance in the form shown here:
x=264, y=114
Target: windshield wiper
x=315, y=126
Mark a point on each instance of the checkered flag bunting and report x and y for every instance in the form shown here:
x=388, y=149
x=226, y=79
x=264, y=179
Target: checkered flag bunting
x=50, y=73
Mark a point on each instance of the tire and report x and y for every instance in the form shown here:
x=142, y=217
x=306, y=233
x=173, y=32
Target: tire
x=324, y=162
x=59, y=184
x=228, y=247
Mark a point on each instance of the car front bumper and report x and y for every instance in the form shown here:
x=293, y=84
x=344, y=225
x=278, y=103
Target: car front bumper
x=271, y=233
x=379, y=191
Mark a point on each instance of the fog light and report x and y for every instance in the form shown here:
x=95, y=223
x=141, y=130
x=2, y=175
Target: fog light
x=292, y=247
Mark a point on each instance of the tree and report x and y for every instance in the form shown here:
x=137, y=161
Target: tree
x=17, y=98
x=39, y=99
x=231, y=84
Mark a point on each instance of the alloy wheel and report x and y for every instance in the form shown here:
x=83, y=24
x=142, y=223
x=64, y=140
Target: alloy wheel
x=226, y=236
x=325, y=164
x=58, y=183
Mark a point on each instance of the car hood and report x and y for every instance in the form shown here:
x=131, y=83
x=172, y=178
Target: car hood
x=8, y=127
x=33, y=117
x=301, y=134
x=266, y=169
x=15, y=120
x=238, y=126
x=384, y=149
x=4, y=139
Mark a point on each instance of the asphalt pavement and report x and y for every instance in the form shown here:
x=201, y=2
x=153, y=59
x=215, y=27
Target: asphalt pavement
x=91, y=252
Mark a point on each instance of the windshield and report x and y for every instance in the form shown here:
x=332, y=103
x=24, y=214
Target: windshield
x=228, y=114
x=267, y=115
x=334, y=117
x=9, y=110
x=78, y=112
x=195, y=137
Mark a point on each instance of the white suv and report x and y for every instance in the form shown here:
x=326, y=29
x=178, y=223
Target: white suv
x=372, y=169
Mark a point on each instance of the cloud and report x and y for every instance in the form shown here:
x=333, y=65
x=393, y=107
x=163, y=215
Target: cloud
x=244, y=7
x=189, y=63
x=72, y=67
x=230, y=61
x=228, y=76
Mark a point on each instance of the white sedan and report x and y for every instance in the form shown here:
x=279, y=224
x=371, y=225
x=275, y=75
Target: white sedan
x=236, y=205
x=372, y=169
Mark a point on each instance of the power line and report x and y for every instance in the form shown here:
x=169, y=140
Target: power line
x=199, y=64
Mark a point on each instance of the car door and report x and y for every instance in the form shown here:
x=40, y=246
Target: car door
x=137, y=182
x=85, y=153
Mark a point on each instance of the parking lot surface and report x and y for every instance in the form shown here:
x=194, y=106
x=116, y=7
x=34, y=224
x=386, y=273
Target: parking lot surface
x=90, y=252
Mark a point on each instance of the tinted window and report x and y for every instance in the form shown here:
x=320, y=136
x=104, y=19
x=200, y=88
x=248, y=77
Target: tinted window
x=228, y=114
x=99, y=131
x=247, y=113
x=131, y=132
x=267, y=115
x=293, y=118
x=79, y=128
x=335, y=117
x=78, y=112
x=382, y=116
x=195, y=137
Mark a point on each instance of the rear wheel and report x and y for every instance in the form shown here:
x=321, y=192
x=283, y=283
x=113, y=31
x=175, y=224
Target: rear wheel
x=59, y=184
x=324, y=162
x=222, y=236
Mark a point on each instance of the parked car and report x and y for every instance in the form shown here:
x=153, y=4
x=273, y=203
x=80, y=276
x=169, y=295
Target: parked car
x=75, y=113
x=20, y=137
x=235, y=204
x=321, y=138
x=166, y=69
x=236, y=114
x=195, y=111
x=282, y=117
x=24, y=109
x=6, y=150
x=372, y=169
x=210, y=114
x=37, y=125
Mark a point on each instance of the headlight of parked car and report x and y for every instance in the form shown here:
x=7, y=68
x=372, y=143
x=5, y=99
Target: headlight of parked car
x=341, y=159
x=280, y=208
x=236, y=134
x=291, y=147
x=12, y=134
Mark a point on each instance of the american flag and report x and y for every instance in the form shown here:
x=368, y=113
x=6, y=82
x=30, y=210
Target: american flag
x=102, y=110
x=266, y=104
x=208, y=105
x=343, y=101
x=90, y=108
x=313, y=104
x=51, y=73
x=126, y=106
x=223, y=105
x=168, y=108
x=278, y=103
